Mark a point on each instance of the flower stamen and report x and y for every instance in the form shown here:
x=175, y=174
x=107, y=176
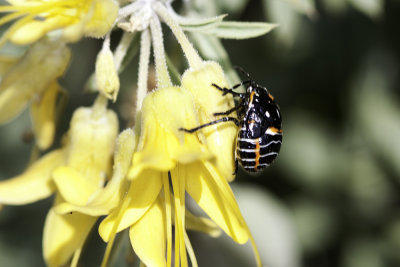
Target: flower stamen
x=168, y=212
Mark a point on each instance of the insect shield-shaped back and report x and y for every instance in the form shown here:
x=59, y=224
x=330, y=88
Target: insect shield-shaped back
x=259, y=137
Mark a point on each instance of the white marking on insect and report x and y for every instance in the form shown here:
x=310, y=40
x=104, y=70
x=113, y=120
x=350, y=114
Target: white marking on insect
x=261, y=146
x=252, y=141
x=271, y=132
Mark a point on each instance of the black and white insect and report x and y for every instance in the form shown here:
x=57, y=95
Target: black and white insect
x=259, y=137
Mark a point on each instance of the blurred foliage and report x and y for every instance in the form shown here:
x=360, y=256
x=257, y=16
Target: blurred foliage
x=333, y=196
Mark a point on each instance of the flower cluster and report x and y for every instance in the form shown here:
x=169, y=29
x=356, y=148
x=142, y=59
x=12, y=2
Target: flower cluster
x=138, y=178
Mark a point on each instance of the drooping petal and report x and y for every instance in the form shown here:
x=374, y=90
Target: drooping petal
x=43, y=116
x=73, y=186
x=201, y=224
x=221, y=136
x=162, y=144
x=148, y=237
x=34, y=30
x=44, y=62
x=202, y=188
x=93, y=18
x=103, y=201
x=143, y=192
x=34, y=184
x=63, y=235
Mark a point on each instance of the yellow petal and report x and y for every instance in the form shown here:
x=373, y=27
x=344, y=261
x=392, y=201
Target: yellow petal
x=205, y=192
x=63, y=235
x=103, y=15
x=143, y=192
x=73, y=186
x=43, y=116
x=221, y=136
x=36, y=29
x=148, y=237
x=92, y=140
x=201, y=224
x=103, y=201
x=44, y=62
x=34, y=184
x=162, y=144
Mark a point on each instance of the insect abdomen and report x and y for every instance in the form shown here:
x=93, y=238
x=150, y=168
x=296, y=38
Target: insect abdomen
x=256, y=154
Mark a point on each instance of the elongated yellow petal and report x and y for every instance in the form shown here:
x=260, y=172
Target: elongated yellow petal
x=201, y=224
x=34, y=30
x=34, y=184
x=63, y=235
x=148, y=237
x=43, y=116
x=221, y=136
x=73, y=186
x=144, y=190
x=103, y=201
x=205, y=192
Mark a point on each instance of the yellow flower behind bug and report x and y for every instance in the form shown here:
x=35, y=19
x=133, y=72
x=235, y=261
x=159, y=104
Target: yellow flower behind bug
x=74, y=173
x=76, y=18
x=220, y=137
x=165, y=157
x=31, y=75
x=33, y=78
x=43, y=113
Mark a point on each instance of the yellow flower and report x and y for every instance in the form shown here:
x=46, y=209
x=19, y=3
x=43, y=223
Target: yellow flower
x=33, y=77
x=166, y=156
x=74, y=173
x=220, y=137
x=76, y=18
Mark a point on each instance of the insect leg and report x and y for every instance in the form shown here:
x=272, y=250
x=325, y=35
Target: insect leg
x=224, y=119
x=230, y=90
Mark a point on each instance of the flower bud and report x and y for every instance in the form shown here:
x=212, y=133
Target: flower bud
x=107, y=79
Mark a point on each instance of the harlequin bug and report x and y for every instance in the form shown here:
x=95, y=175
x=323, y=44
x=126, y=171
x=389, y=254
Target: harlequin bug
x=259, y=137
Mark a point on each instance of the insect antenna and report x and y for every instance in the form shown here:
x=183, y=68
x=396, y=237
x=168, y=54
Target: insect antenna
x=240, y=69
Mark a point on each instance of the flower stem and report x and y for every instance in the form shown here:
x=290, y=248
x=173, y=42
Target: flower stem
x=99, y=106
x=144, y=59
x=163, y=79
x=122, y=48
x=191, y=54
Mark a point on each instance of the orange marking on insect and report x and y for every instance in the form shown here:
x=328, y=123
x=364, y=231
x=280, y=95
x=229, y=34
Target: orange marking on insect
x=251, y=96
x=251, y=121
x=275, y=130
x=270, y=96
x=257, y=151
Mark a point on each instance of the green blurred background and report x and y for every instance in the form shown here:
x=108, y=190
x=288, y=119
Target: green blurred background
x=332, y=196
